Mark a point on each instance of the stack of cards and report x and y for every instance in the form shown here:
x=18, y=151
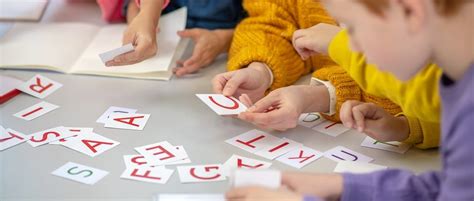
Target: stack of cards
x=123, y=118
x=151, y=161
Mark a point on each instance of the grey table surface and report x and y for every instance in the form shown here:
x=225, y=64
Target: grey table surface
x=177, y=116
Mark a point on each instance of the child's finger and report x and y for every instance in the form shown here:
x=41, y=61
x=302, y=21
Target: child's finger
x=245, y=99
x=273, y=117
x=264, y=104
x=190, y=33
x=219, y=81
x=345, y=114
x=359, y=117
x=233, y=84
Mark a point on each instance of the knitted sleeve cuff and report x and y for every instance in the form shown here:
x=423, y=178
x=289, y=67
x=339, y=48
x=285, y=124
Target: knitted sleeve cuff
x=416, y=133
x=283, y=74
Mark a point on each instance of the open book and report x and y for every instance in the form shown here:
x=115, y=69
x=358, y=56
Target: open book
x=75, y=47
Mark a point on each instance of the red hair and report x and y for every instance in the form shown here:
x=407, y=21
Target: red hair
x=445, y=7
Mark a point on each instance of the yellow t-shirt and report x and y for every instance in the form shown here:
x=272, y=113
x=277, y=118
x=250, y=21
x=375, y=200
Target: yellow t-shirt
x=418, y=98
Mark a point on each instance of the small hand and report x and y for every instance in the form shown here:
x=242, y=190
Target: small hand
x=374, y=121
x=207, y=46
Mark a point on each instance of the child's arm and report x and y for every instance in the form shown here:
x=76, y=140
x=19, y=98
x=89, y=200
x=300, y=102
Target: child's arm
x=314, y=40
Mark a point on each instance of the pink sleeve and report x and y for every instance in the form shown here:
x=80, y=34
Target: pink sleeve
x=111, y=10
x=165, y=3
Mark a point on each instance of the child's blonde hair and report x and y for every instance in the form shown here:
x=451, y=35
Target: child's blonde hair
x=444, y=7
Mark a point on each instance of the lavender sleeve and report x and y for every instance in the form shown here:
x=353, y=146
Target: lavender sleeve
x=455, y=182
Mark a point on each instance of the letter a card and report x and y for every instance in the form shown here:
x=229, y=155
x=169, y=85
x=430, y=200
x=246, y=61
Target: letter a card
x=127, y=121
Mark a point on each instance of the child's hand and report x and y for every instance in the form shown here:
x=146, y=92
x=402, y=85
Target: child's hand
x=314, y=40
x=325, y=186
x=262, y=194
x=141, y=32
x=374, y=121
x=253, y=81
x=281, y=109
x=207, y=46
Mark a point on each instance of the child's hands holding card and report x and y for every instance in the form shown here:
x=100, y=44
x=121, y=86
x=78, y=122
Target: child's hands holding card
x=141, y=32
x=374, y=121
x=281, y=109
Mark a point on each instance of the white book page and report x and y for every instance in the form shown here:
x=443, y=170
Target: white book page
x=22, y=9
x=53, y=46
x=110, y=37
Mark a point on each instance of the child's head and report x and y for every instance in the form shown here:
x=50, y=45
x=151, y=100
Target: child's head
x=396, y=35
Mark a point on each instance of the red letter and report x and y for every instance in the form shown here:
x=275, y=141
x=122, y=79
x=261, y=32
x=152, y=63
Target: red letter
x=279, y=146
x=38, y=84
x=207, y=169
x=240, y=164
x=12, y=136
x=249, y=143
x=301, y=157
x=31, y=112
x=45, y=136
x=235, y=106
x=163, y=151
x=134, y=160
x=130, y=120
x=146, y=175
x=97, y=143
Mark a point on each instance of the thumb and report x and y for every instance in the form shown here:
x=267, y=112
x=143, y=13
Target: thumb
x=233, y=84
x=189, y=33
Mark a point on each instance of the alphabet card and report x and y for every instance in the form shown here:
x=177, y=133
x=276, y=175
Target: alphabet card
x=186, y=160
x=113, y=109
x=39, y=86
x=331, y=128
x=80, y=173
x=161, y=153
x=47, y=136
x=264, y=178
x=310, y=120
x=252, y=141
x=110, y=55
x=341, y=153
x=91, y=144
x=357, y=167
x=134, y=161
x=10, y=138
x=396, y=147
x=157, y=175
x=239, y=162
x=300, y=157
x=201, y=173
x=76, y=131
x=127, y=121
x=222, y=105
x=278, y=148
x=36, y=111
